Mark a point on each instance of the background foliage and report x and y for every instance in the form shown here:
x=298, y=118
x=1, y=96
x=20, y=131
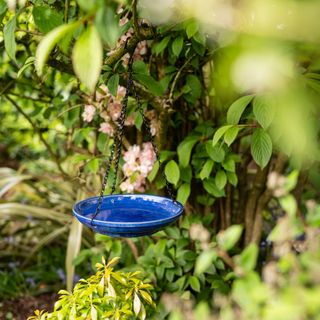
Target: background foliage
x=233, y=106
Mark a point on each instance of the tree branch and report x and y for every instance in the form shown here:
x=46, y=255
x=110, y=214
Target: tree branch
x=38, y=131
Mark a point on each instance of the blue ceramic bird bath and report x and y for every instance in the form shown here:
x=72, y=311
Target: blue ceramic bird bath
x=130, y=215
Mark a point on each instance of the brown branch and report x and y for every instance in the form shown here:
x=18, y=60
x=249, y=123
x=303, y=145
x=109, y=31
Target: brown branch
x=133, y=248
x=145, y=34
x=278, y=166
x=251, y=205
x=38, y=131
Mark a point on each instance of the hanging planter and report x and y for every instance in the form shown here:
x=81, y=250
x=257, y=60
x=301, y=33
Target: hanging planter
x=128, y=215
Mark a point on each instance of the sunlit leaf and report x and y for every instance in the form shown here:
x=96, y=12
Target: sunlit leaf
x=87, y=57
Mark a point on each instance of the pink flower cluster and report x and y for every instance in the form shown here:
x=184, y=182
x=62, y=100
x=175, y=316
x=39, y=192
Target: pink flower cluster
x=138, y=164
x=109, y=115
x=140, y=50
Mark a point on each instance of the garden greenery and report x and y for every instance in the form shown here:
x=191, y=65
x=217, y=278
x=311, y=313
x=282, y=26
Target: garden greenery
x=231, y=96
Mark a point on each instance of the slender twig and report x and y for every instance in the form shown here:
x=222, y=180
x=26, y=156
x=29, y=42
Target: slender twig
x=66, y=10
x=29, y=98
x=135, y=18
x=38, y=131
x=174, y=82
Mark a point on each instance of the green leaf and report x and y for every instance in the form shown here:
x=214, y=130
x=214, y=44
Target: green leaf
x=183, y=193
x=229, y=237
x=150, y=83
x=232, y=178
x=248, y=258
x=192, y=28
x=211, y=187
x=194, y=84
x=219, y=133
x=159, y=47
x=107, y=24
x=153, y=173
x=93, y=165
x=113, y=84
x=206, y=170
x=49, y=41
x=221, y=179
x=236, y=109
x=194, y=283
x=231, y=135
x=229, y=165
x=263, y=111
x=46, y=18
x=87, y=57
x=177, y=46
x=184, y=150
x=261, y=147
x=9, y=38
x=215, y=153
x=136, y=304
x=172, y=172
x=94, y=313
x=204, y=261
x=29, y=62
x=87, y=5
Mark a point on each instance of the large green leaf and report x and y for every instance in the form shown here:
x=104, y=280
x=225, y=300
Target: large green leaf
x=184, y=150
x=263, y=111
x=177, y=45
x=206, y=169
x=219, y=133
x=46, y=18
x=261, y=147
x=107, y=24
x=172, y=172
x=183, y=193
x=24, y=210
x=248, y=257
x=229, y=237
x=113, y=84
x=231, y=135
x=236, y=109
x=9, y=38
x=87, y=57
x=216, y=153
x=141, y=74
x=221, y=179
x=49, y=41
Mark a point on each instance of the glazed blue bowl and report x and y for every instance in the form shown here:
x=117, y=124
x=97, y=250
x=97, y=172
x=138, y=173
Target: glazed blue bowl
x=129, y=215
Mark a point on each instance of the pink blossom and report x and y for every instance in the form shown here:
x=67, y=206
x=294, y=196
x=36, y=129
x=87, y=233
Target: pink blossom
x=102, y=93
x=132, y=154
x=123, y=21
x=127, y=186
x=114, y=110
x=88, y=114
x=129, y=120
x=106, y=127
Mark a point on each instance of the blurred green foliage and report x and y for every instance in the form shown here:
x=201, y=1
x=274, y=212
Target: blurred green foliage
x=231, y=92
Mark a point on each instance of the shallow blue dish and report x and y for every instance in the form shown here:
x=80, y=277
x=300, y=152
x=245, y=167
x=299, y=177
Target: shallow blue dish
x=130, y=215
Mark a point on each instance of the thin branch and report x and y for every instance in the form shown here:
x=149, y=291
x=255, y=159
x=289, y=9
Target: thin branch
x=66, y=10
x=38, y=131
x=174, y=82
x=135, y=18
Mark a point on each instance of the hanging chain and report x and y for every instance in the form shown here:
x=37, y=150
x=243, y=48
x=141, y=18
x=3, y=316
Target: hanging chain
x=115, y=150
x=151, y=138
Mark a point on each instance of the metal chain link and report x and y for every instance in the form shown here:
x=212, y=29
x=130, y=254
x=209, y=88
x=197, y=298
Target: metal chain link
x=115, y=151
x=151, y=138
